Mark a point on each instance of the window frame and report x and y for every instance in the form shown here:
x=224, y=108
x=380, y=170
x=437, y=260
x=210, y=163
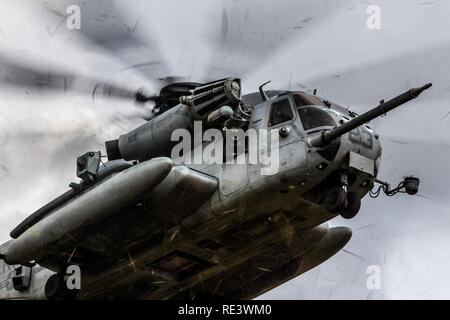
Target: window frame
x=293, y=110
x=316, y=129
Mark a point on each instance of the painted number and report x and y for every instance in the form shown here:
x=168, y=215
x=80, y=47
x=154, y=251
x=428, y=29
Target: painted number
x=362, y=136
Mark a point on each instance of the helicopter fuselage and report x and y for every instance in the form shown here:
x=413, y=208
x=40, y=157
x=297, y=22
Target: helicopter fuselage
x=292, y=196
x=211, y=219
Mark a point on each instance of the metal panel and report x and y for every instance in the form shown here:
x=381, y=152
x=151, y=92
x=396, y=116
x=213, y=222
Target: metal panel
x=361, y=163
x=182, y=192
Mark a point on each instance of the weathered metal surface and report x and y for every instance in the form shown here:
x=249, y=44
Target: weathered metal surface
x=86, y=211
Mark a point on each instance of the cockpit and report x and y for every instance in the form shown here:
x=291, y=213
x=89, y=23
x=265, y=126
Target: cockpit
x=314, y=119
x=312, y=113
x=312, y=116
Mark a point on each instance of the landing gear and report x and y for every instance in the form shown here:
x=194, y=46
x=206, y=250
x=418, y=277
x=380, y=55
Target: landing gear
x=341, y=201
x=353, y=206
x=338, y=200
x=56, y=288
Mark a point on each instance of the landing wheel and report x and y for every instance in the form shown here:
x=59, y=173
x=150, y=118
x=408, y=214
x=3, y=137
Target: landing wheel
x=56, y=289
x=336, y=200
x=353, y=206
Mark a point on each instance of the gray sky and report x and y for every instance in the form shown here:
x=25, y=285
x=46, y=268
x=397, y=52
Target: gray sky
x=296, y=44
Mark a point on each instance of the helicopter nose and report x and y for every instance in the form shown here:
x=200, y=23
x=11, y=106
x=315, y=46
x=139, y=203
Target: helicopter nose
x=364, y=137
x=364, y=145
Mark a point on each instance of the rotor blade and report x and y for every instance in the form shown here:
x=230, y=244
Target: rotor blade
x=251, y=34
x=385, y=77
x=106, y=28
x=363, y=86
x=16, y=74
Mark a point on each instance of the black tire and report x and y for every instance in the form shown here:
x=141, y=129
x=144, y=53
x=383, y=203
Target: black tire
x=54, y=287
x=335, y=200
x=353, y=206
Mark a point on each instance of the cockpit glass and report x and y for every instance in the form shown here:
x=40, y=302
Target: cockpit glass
x=313, y=117
x=302, y=100
x=280, y=112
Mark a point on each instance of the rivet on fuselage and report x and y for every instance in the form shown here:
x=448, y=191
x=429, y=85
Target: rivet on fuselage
x=322, y=166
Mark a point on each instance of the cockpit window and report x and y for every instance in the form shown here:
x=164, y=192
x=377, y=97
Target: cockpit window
x=313, y=117
x=302, y=100
x=280, y=112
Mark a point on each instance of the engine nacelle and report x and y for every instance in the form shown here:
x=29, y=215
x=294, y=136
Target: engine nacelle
x=152, y=139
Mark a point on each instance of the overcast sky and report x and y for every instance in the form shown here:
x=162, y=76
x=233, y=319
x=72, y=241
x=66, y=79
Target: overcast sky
x=298, y=45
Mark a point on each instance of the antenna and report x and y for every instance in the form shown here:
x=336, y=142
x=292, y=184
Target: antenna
x=261, y=91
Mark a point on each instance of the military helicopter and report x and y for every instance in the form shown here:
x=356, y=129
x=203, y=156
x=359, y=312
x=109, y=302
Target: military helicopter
x=197, y=229
x=150, y=225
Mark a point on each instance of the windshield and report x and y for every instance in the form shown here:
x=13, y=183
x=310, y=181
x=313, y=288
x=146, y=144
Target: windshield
x=313, y=117
x=280, y=112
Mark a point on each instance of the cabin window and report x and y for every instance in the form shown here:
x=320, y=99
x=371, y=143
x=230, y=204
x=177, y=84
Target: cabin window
x=313, y=117
x=280, y=112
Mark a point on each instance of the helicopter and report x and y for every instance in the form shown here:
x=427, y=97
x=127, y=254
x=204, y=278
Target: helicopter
x=197, y=229
x=150, y=224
